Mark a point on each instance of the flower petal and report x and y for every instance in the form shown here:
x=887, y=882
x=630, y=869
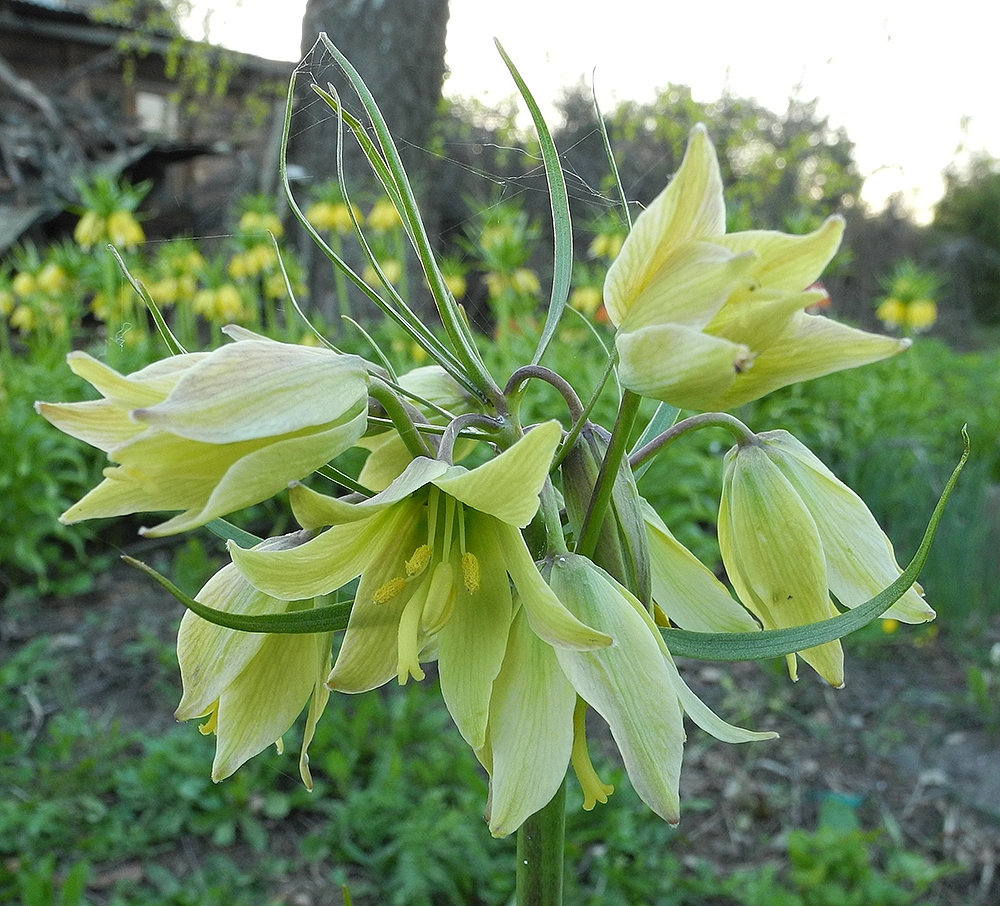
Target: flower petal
x=254, y=389
x=773, y=554
x=628, y=683
x=692, y=285
x=860, y=561
x=690, y=207
x=145, y=387
x=326, y=562
x=507, y=486
x=314, y=510
x=812, y=347
x=531, y=729
x=788, y=262
x=100, y=423
x=262, y=473
x=679, y=365
x=471, y=644
x=548, y=617
x=282, y=675
x=687, y=591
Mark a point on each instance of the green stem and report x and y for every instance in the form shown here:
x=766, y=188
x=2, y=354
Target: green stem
x=541, y=853
x=396, y=409
x=591, y=530
x=733, y=425
x=549, y=509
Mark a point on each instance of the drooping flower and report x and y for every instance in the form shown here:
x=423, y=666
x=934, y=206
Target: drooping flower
x=210, y=433
x=535, y=720
x=251, y=686
x=790, y=532
x=434, y=551
x=710, y=320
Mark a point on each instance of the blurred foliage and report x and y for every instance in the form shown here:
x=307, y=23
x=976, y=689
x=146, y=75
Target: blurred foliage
x=785, y=170
x=968, y=219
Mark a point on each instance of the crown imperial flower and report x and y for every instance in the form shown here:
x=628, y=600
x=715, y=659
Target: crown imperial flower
x=210, y=433
x=790, y=532
x=433, y=551
x=251, y=686
x=535, y=723
x=710, y=320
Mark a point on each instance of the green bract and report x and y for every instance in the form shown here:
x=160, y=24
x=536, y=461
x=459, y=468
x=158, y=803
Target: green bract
x=210, y=433
x=708, y=320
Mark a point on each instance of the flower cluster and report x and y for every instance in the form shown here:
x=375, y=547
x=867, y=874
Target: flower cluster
x=519, y=559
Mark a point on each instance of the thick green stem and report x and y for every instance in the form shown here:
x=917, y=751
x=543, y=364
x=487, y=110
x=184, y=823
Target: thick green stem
x=541, y=853
x=591, y=530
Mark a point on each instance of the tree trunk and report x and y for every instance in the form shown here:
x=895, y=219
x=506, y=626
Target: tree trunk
x=398, y=48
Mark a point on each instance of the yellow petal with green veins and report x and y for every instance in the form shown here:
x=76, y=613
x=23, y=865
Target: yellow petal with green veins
x=507, y=487
x=785, y=261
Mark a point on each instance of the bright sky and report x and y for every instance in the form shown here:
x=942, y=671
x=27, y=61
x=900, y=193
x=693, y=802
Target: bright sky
x=900, y=75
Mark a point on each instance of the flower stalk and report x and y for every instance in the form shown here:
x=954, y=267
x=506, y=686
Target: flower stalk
x=627, y=413
x=541, y=854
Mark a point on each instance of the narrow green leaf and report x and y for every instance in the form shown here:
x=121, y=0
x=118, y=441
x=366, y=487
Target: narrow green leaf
x=427, y=339
x=229, y=532
x=745, y=646
x=172, y=343
x=612, y=163
x=330, y=618
x=562, y=227
x=323, y=341
x=451, y=315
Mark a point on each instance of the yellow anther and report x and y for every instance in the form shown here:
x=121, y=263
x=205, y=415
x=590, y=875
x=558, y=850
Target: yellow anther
x=418, y=562
x=470, y=571
x=389, y=590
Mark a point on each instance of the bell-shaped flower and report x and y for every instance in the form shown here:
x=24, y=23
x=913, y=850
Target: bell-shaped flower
x=790, y=533
x=251, y=686
x=434, y=551
x=535, y=722
x=210, y=433
x=709, y=320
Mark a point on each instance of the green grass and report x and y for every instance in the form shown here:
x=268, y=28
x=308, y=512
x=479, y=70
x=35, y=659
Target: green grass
x=396, y=816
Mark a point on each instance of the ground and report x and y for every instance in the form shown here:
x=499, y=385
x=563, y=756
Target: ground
x=904, y=743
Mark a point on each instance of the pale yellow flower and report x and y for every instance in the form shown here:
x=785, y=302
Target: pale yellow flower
x=710, y=320
x=210, y=433
x=790, y=532
x=251, y=685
